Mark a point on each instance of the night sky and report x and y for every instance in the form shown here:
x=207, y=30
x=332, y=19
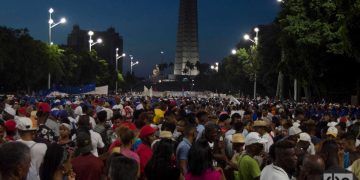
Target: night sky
x=147, y=26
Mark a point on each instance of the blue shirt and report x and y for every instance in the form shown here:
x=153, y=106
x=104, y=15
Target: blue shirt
x=199, y=129
x=182, y=150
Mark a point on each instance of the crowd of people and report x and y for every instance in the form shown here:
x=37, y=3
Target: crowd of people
x=167, y=138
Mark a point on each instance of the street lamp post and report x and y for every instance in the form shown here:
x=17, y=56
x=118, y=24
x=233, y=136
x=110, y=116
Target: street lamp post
x=131, y=68
x=132, y=64
x=255, y=41
x=91, y=42
x=52, y=25
x=117, y=57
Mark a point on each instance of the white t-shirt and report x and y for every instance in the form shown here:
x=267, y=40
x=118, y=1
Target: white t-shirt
x=37, y=153
x=272, y=172
x=269, y=142
x=96, y=142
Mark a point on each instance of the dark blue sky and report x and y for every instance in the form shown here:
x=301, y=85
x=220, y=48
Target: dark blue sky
x=147, y=26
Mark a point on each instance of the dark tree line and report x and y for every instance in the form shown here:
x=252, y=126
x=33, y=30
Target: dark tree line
x=25, y=64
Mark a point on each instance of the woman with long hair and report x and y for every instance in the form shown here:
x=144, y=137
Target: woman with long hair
x=56, y=164
x=200, y=163
x=162, y=164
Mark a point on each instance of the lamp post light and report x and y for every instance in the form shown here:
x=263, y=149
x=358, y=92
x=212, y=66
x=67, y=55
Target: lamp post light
x=255, y=41
x=117, y=57
x=52, y=25
x=233, y=51
x=215, y=67
x=131, y=68
x=91, y=42
x=132, y=64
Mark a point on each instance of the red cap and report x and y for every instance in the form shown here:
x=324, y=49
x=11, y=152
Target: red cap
x=44, y=107
x=10, y=125
x=129, y=125
x=146, y=131
x=22, y=111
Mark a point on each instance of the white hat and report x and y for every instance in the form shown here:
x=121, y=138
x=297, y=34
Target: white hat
x=294, y=130
x=253, y=138
x=10, y=110
x=117, y=107
x=332, y=131
x=25, y=124
x=305, y=137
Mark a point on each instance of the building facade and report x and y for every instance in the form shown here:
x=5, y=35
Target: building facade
x=78, y=39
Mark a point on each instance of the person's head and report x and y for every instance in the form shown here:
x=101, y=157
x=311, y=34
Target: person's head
x=285, y=155
x=202, y=117
x=329, y=153
x=84, y=121
x=211, y=132
x=254, y=143
x=164, y=152
x=190, y=131
x=349, y=141
x=64, y=130
x=200, y=158
x=126, y=135
x=26, y=128
x=83, y=142
x=180, y=126
x=260, y=126
x=56, y=158
x=304, y=141
x=238, y=142
x=235, y=117
x=43, y=112
x=14, y=160
x=238, y=126
x=122, y=168
x=147, y=134
x=102, y=116
x=312, y=167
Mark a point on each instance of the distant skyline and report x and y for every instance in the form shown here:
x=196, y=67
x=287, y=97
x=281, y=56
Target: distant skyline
x=147, y=26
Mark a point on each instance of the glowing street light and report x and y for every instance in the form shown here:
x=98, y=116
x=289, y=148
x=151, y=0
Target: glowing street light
x=52, y=25
x=117, y=57
x=233, y=51
x=215, y=67
x=91, y=42
x=255, y=41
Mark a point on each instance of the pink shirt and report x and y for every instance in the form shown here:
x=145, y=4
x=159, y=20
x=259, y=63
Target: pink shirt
x=208, y=175
x=130, y=154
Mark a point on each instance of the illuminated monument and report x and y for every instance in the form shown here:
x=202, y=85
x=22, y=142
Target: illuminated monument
x=187, y=48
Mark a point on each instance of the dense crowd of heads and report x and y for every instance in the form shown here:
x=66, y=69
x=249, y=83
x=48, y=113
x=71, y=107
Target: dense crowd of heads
x=119, y=137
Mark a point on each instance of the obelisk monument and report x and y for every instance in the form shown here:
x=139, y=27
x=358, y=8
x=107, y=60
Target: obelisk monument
x=187, y=46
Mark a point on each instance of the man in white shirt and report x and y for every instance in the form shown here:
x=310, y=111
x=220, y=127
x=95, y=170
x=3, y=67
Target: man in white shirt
x=284, y=164
x=96, y=140
x=261, y=127
x=27, y=130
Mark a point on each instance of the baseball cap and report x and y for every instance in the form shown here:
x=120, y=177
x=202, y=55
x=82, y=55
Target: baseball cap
x=238, y=138
x=146, y=131
x=253, y=138
x=10, y=110
x=83, y=141
x=25, y=124
x=10, y=125
x=43, y=107
x=332, y=131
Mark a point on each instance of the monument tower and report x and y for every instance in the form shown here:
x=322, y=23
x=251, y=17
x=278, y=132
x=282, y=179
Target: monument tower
x=187, y=48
